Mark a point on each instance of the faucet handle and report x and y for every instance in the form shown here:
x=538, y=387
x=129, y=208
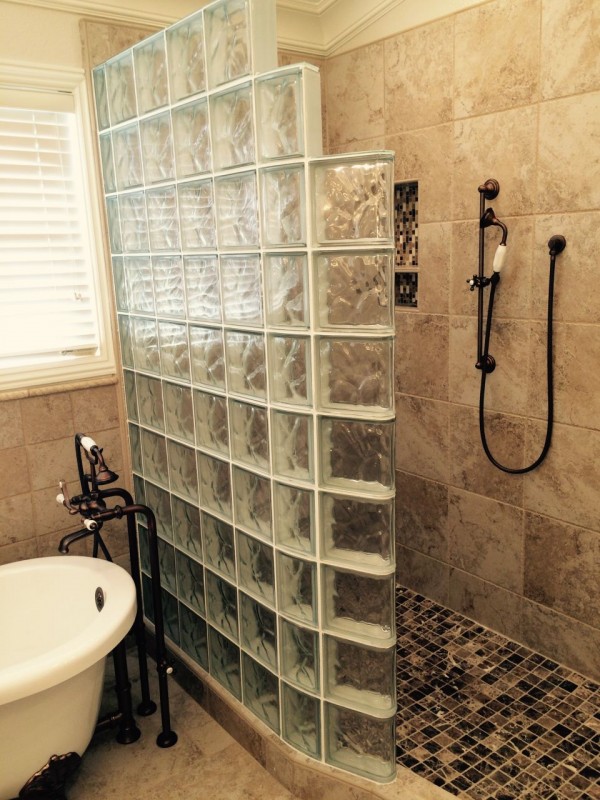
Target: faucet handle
x=63, y=498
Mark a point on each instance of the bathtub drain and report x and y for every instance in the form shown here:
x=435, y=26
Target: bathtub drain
x=99, y=597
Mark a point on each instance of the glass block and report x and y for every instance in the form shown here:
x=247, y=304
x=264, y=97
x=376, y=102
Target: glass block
x=358, y=454
x=227, y=41
x=174, y=350
x=114, y=225
x=357, y=374
x=139, y=492
x=353, y=199
x=146, y=353
x=130, y=395
x=154, y=454
x=358, y=530
x=224, y=662
x=101, y=97
x=163, y=223
x=138, y=276
x=215, y=484
x=219, y=547
x=194, y=636
x=151, y=408
x=246, y=363
x=208, y=357
x=108, y=167
x=166, y=563
x=134, y=224
x=128, y=157
x=120, y=284
x=252, y=498
x=301, y=721
x=286, y=290
x=157, y=148
x=190, y=582
x=294, y=518
x=182, y=470
x=231, y=115
x=221, y=604
x=159, y=501
x=355, y=289
x=299, y=655
x=283, y=206
x=250, y=434
x=297, y=588
x=360, y=676
x=197, y=215
x=179, y=411
x=289, y=369
x=279, y=108
x=151, y=74
x=241, y=289
x=360, y=743
x=212, y=431
x=192, y=140
x=185, y=46
x=186, y=526
x=258, y=630
x=292, y=445
x=126, y=339
x=170, y=608
x=121, y=88
x=167, y=275
x=144, y=548
x=360, y=605
x=135, y=446
x=202, y=288
x=255, y=567
x=237, y=210
x=261, y=691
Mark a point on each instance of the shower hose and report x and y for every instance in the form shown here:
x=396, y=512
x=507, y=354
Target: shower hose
x=549, y=375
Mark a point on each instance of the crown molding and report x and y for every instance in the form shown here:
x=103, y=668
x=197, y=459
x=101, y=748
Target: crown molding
x=101, y=10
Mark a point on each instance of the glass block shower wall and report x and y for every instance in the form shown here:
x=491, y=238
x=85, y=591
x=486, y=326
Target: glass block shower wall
x=254, y=290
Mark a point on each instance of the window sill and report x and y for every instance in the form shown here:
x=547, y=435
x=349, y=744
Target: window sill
x=56, y=388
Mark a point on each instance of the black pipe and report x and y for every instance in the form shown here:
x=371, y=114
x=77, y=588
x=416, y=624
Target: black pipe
x=128, y=730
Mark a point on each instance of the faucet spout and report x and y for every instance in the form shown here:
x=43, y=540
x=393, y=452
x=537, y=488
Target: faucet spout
x=90, y=528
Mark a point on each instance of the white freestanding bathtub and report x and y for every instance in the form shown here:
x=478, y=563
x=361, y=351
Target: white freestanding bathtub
x=53, y=647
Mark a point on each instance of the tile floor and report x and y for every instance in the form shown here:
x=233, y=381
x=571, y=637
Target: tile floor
x=487, y=719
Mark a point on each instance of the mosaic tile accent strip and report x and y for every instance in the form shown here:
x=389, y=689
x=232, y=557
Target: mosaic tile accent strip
x=486, y=718
x=406, y=289
x=406, y=225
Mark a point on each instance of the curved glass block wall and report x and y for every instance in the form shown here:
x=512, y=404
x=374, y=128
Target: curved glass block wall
x=254, y=288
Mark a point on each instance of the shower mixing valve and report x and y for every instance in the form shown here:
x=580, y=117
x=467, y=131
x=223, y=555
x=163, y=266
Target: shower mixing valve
x=478, y=282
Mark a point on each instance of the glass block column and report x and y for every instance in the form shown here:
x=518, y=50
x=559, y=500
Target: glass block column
x=254, y=288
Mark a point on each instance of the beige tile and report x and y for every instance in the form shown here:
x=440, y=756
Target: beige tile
x=562, y=638
x=576, y=267
x=242, y=731
x=562, y=564
x=422, y=574
x=481, y=148
x=470, y=469
x=355, y=95
x=11, y=425
x=47, y=417
x=95, y=409
x=19, y=551
x=565, y=486
x=49, y=516
x=506, y=386
x=16, y=519
x=14, y=474
x=50, y=462
x=421, y=354
x=422, y=515
x=426, y=156
x=411, y=74
x=487, y=604
x=422, y=437
x=486, y=539
x=574, y=66
x=569, y=157
x=376, y=143
x=434, y=267
x=496, y=57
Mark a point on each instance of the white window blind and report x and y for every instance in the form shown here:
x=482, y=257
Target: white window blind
x=48, y=308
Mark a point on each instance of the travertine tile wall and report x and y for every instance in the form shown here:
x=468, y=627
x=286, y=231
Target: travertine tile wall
x=508, y=90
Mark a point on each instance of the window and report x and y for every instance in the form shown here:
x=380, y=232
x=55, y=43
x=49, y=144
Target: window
x=53, y=323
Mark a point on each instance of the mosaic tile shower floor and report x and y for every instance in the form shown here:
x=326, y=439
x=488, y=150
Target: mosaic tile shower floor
x=488, y=719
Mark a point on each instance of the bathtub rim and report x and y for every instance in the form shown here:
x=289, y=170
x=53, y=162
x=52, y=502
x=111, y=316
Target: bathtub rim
x=78, y=652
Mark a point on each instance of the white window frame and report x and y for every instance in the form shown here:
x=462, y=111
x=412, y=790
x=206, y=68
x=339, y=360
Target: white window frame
x=22, y=77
